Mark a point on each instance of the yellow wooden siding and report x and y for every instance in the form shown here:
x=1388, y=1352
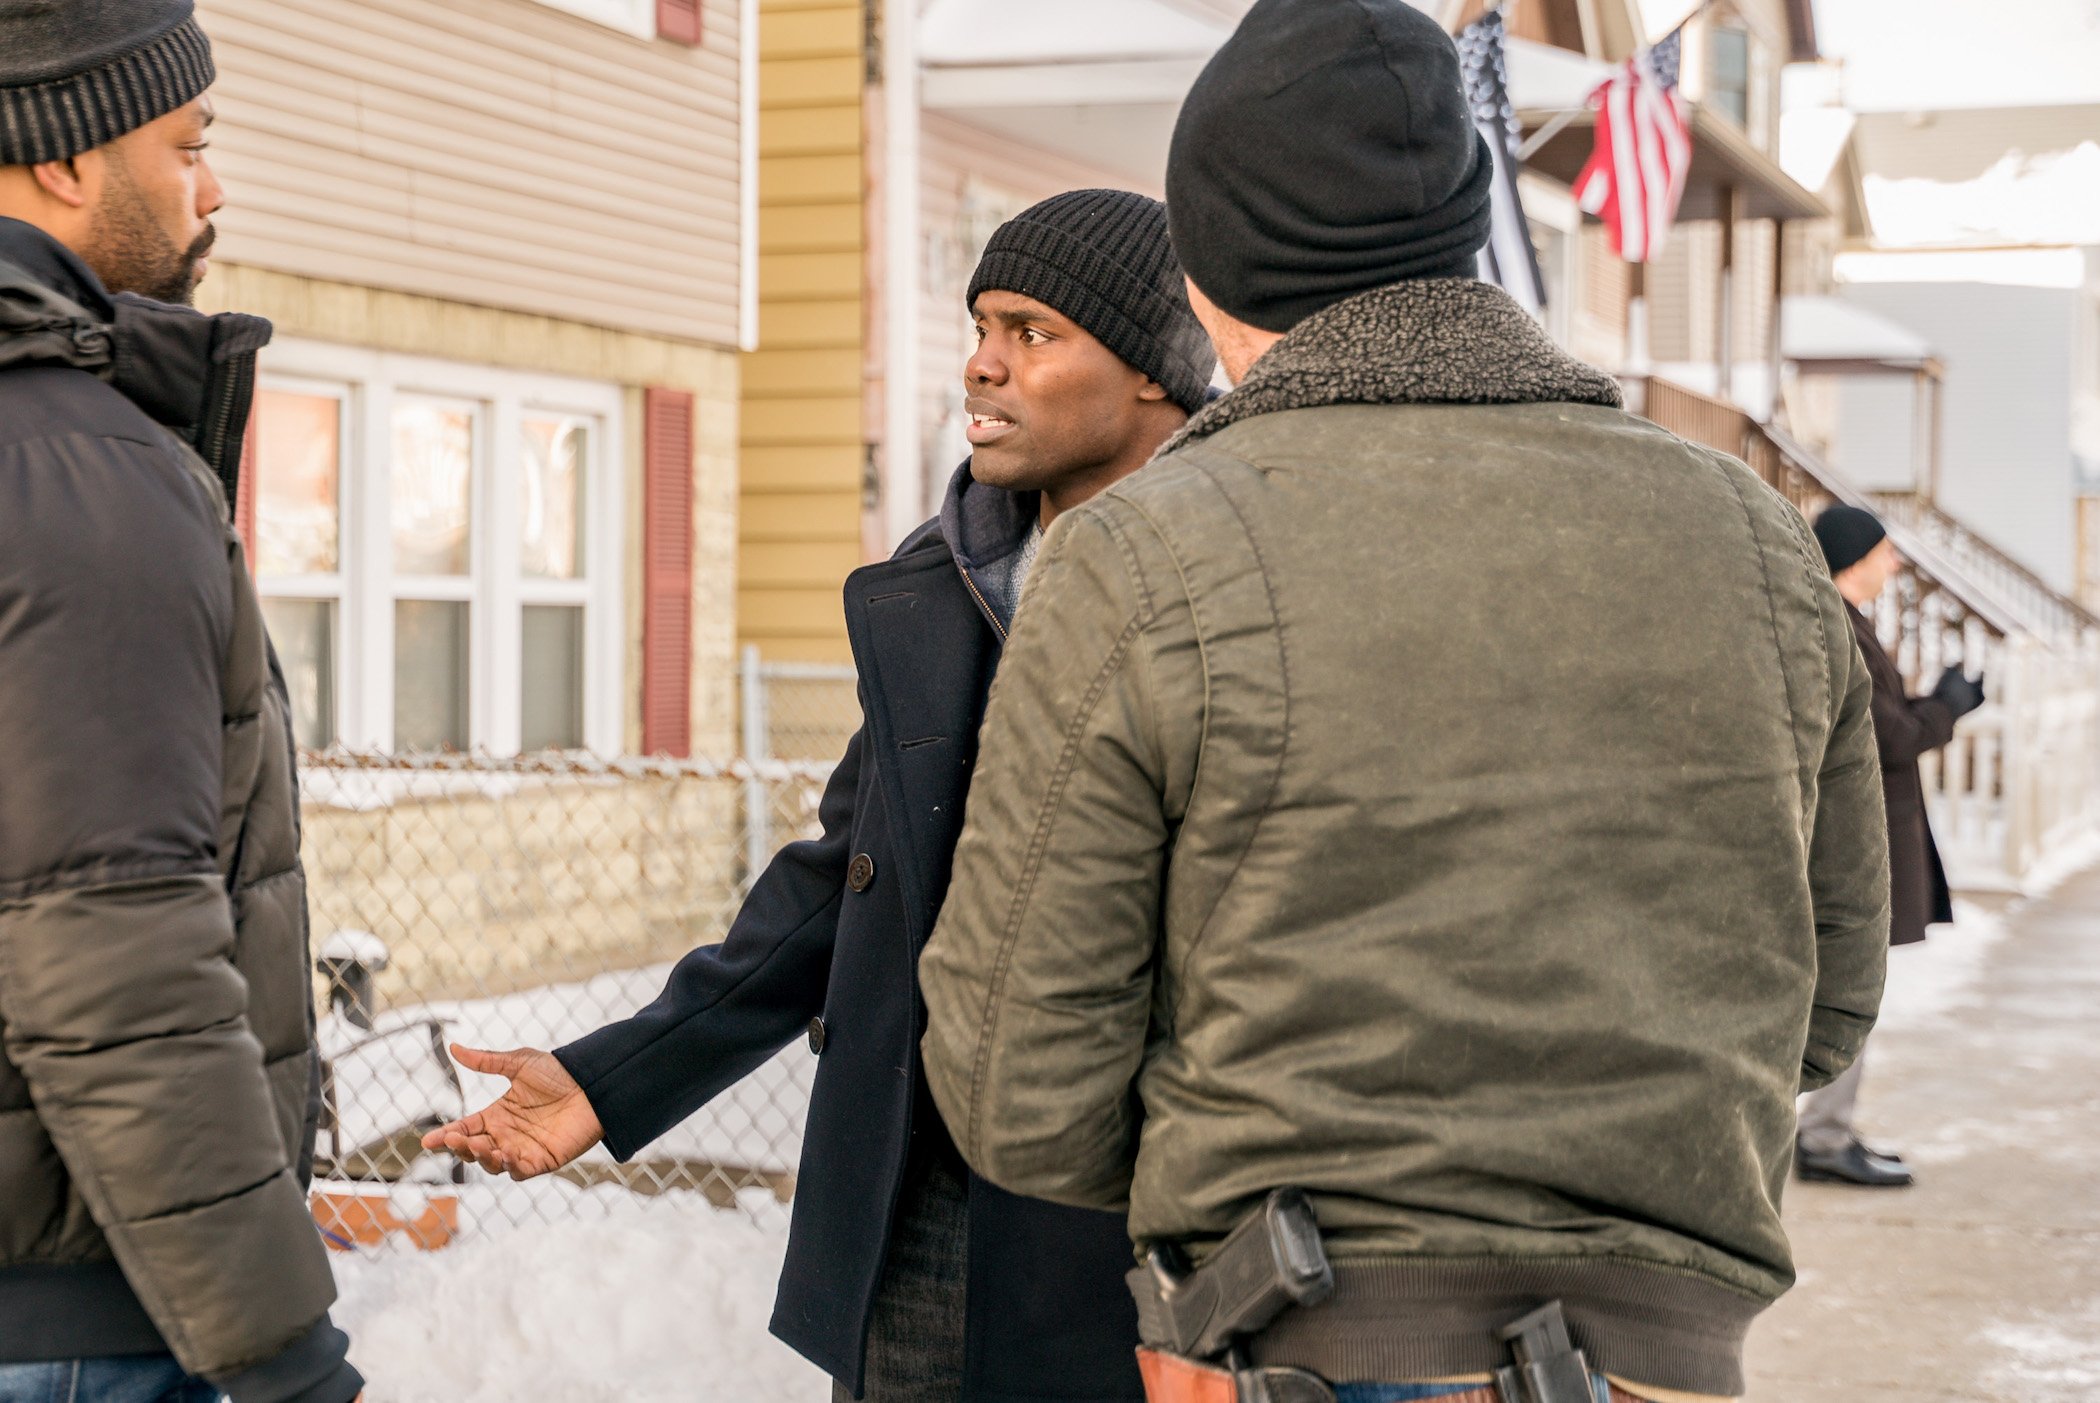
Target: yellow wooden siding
x=496, y=152
x=799, y=528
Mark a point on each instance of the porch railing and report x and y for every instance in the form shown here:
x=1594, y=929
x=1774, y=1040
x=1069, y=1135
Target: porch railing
x=2023, y=773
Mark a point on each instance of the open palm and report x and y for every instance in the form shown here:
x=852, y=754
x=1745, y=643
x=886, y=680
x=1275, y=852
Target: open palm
x=535, y=1128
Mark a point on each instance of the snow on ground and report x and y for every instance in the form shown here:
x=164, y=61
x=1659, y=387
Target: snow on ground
x=2060, y=864
x=633, y=1301
x=578, y=1295
x=1929, y=982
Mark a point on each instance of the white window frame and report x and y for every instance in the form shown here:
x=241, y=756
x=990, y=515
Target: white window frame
x=495, y=587
x=636, y=17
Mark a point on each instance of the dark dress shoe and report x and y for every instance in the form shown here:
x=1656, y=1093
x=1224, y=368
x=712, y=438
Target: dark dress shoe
x=1886, y=1156
x=1851, y=1165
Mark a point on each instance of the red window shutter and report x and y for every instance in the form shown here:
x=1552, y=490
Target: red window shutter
x=245, y=488
x=678, y=21
x=667, y=572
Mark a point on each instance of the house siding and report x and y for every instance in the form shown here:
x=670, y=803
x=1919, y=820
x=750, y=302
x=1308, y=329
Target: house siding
x=799, y=532
x=495, y=152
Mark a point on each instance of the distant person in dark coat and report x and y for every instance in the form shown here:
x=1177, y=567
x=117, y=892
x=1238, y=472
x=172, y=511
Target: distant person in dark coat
x=1862, y=559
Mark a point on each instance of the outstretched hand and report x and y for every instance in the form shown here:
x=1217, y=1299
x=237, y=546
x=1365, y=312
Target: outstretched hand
x=535, y=1128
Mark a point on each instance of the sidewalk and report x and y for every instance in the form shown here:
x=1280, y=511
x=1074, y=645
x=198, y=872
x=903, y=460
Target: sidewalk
x=1983, y=1282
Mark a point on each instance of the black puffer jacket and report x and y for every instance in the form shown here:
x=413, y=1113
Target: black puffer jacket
x=157, y=1071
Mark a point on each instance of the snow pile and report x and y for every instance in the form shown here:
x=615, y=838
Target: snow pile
x=2060, y=864
x=2045, y=199
x=1929, y=982
x=652, y=1302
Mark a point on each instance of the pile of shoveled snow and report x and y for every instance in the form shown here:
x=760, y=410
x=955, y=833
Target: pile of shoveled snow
x=663, y=1301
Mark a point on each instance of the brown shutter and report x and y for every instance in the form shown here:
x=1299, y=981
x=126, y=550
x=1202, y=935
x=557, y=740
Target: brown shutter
x=667, y=572
x=678, y=21
x=245, y=487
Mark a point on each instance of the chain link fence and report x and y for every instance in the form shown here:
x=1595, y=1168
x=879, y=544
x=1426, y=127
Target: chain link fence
x=522, y=902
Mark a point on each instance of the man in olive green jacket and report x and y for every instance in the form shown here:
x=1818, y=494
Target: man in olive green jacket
x=1427, y=785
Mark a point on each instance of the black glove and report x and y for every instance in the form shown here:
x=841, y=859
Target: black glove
x=1959, y=694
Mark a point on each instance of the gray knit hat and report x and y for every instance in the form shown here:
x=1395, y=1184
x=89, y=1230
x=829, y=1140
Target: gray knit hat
x=75, y=74
x=1102, y=258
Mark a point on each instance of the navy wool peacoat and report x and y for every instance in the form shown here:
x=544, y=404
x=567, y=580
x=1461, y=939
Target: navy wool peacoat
x=827, y=946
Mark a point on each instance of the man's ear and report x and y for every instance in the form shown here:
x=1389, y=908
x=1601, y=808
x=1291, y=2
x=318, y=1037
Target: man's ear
x=61, y=181
x=1152, y=391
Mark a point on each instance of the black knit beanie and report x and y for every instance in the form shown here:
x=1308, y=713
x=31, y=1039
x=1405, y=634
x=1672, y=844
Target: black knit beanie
x=1846, y=534
x=1325, y=151
x=1102, y=258
x=75, y=74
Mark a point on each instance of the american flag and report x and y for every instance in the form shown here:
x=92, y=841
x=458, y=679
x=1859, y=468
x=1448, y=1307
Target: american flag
x=1510, y=259
x=1636, y=175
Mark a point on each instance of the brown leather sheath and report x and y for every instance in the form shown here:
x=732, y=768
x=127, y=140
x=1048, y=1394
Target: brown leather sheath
x=1172, y=1379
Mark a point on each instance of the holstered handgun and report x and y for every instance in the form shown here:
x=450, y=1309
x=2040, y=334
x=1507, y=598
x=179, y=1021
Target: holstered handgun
x=1193, y=1322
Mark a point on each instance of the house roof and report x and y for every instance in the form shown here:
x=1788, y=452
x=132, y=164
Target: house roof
x=1957, y=144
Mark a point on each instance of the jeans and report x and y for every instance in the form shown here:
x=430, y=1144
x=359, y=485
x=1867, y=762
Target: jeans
x=1407, y=1393
x=915, y=1341
x=130, y=1378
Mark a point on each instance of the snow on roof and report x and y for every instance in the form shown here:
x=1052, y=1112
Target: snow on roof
x=1819, y=328
x=2061, y=268
x=2047, y=199
x=1812, y=141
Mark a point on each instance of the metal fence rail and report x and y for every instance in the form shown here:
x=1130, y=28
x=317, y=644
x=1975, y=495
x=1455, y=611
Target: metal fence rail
x=507, y=902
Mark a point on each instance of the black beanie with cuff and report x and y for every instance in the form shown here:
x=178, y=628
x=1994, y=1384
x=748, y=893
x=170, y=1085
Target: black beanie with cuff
x=1102, y=258
x=1846, y=535
x=78, y=74
x=1327, y=150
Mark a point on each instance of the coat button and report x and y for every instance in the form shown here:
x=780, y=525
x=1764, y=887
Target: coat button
x=816, y=1035
x=861, y=875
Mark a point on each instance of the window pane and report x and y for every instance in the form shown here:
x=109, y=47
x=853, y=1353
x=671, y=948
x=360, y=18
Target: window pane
x=304, y=632
x=550, y=498
x=433, y=481
x=430, y=675
x=553, y=681
x=1731, y=80
x=297, y=482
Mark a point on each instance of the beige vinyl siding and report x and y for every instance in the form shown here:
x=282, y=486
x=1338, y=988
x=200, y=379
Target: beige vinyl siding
x=799, y=531
x=496, y=152
x=955, y=161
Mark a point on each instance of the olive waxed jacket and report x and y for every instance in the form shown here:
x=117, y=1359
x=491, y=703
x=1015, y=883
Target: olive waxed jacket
x=1431, y=786
x=157, y=1071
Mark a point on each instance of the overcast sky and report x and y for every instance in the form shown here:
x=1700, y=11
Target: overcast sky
x=1912, y=54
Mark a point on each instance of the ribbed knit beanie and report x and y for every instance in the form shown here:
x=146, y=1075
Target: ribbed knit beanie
x=75, y=74
x=1846, y=534
x=1326, y=150
x=1102, y=258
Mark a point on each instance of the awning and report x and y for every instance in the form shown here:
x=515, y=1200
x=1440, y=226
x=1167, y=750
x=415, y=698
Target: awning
x=1722, y=156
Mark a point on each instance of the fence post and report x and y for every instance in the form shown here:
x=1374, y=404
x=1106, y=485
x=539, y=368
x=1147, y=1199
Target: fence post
x=758, y=808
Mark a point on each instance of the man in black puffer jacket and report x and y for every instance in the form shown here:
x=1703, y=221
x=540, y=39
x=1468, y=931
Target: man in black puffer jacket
x=158, y=1082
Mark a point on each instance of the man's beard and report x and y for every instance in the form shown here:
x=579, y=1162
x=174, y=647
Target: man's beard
x=133, y=253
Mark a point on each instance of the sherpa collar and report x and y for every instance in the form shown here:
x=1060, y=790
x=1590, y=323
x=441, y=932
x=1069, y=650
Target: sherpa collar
x=1435, y=341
